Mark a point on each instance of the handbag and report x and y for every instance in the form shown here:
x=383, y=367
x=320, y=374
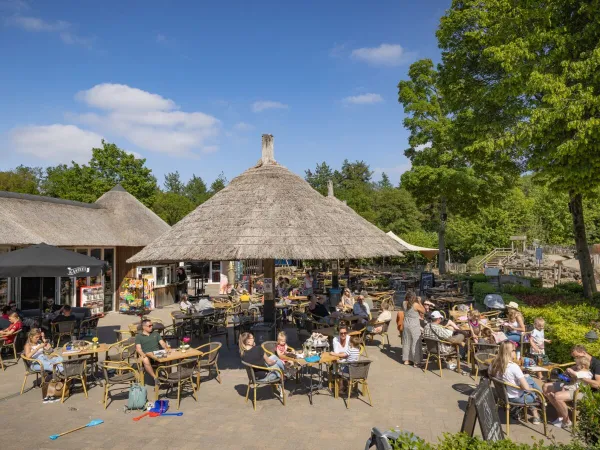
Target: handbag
x=400, y=321
x=54, y=388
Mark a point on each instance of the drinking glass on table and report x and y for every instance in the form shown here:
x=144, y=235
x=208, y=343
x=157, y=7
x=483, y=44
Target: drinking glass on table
x=168, y=348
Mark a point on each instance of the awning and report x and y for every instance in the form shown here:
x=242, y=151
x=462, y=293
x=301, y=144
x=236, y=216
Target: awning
x=428, y=253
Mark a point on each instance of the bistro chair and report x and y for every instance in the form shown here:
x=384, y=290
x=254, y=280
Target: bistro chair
x=355, y=374
x=29, y=362
x=73, y=369
x=482, y=363
x=123, y=374
x=88, y=328
x=183, y=375
x=255, y=383
x=172, y=334
x=217, y=325
x=3, y=345
x=383, y=333
x=65, y=329
x=434, y=348
x=363, y=337
x=123, y=334
x=121, y=351
x=503, y=401
x=208, y=361
x=473, y=346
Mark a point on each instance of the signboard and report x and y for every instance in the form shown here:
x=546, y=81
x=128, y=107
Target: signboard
x=482, y=406
x=268, y=285
x=427, y=282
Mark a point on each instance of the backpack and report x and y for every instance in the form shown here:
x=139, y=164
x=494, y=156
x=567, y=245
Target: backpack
x=137, y=397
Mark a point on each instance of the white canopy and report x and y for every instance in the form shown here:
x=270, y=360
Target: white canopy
x=428, y=253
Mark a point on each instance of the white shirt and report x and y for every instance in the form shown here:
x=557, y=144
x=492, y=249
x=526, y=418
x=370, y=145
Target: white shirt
x=361, y=310
x=185, y=305
x=512, y=375
x=338, y=347
x=538, y=337
x=384, y=316
x=308, y=282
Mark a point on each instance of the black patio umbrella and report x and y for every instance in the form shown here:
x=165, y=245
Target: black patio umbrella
x=44, y=260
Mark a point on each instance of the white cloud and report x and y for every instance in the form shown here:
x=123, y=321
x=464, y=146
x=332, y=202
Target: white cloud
x=210, y=149
x=363, y=99
x=147, y=120
x=55, y=143
x=63, y=28
x=243, y=126
x=423, y=146
x=267, y=104
x=384, y=55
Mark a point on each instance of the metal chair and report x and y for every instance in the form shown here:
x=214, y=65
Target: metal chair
x=88, y=328
x=180, y=377
x=504, y=401
x=12, y=345
x=255, y=383
x=383, y=333
x=434, y=348
x=124, y=375
x=356, y=374
x=73, y=369
x=482, y=363
x=62, y=329
x=121, y=351
x=28, y=362
x=217, y=325
x=209, y=360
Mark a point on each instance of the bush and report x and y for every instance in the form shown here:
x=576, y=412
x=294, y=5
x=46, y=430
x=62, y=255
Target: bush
x=408, y=441
x=478, y=278
x=533, y=296
x=480, y=290
x=574, y=288
x=588, y=420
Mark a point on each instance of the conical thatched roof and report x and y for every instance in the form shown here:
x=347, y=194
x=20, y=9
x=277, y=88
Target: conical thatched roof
x=268, y=212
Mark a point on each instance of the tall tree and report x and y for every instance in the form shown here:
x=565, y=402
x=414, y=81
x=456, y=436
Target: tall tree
x=173, y=183
x=172, y=207
x=196, y=191
x=527, y=71
x=319, y=178
x=218, y=184
x=26, y=180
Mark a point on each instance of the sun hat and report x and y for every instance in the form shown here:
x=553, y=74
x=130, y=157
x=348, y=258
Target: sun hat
x=513, y=305
x=436, y=315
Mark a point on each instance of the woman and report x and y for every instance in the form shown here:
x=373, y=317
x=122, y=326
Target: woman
x=384, y=316
x=308, y=283
x=411, y=336
x=37, y=347
x=346, y=302
x=185, y=305
x=255, y=355
x=515, y=324
x=504, y=368
x=10, y=333
x=341, y=342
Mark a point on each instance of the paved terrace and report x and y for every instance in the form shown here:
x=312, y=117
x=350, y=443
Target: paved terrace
x=422, y=403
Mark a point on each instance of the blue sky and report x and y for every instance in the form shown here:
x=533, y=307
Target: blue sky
x=191, y=86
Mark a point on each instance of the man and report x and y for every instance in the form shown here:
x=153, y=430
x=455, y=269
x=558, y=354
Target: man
x=434, y=330
x=64, y=315
x=361, y=308
x=559, y=397
x=148, y=341
x=316, y=308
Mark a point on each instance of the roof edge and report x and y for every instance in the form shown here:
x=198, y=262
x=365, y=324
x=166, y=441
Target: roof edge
x=41, y=198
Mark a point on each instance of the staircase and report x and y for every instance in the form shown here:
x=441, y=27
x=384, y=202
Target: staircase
x=496, y=258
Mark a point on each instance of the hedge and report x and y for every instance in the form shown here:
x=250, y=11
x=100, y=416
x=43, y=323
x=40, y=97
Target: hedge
x=480, y=290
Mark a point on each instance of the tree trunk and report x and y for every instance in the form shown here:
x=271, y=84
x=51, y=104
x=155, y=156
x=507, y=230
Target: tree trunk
x=442, y=237
x=583, y=252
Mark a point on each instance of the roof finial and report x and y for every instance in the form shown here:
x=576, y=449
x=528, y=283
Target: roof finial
x=268, y=154
x=330, y=188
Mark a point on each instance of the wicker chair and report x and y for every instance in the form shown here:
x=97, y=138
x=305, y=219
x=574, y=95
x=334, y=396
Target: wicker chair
x=217, y=325
x=356, y=374
x=184, y=374
x=28, y=362
x=65, y=329
x=12, y=345
x=503, y=401
x=73, y=369
x=384, y=332
x=88, y=328
x=124, y=375
x=121, y=351
x=209, y=360
x=255, y=383
x=482, y=363
x=433, y=348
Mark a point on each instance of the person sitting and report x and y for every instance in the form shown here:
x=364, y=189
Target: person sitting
x=245, y=297
x=64, y=315
x=504, y=368
x=538, y=340
x=559, y=397
x=428, y=306
x=435, y=330
x=318, y=309
x=346, y=302
x=5, y=312
x=255, y=355
x=38, y=348
x=384, y=316
x=487, y=336
x=204, y=303
x=9, y=334
x=475, y=326
x=361, y=309
x=515, y=324
x=281, y=349
x=341, y=342
x=185, y=306
x=148, y=341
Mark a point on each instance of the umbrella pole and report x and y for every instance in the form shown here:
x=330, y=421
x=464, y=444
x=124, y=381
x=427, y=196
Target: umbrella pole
x=269, y=305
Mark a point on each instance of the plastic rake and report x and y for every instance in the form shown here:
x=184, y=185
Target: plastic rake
x=93, y=423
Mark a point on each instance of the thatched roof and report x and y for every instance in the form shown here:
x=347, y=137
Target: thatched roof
x=268, y=212
x=116, y=219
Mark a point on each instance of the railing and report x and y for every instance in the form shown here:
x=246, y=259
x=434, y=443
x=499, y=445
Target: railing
x=502, y=253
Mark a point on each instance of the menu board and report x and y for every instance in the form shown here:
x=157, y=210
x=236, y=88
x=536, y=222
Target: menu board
x=92, y=297
x=427, y=282
x=482, y=406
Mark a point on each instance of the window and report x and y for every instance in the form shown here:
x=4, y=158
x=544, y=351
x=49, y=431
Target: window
x=163, y=275
x=216, y=271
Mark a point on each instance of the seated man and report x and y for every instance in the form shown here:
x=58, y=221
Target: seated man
x=559, y=396
x=204, y=304
x=434, y=330
x=64, y=315
x=146, y=342
x=361, y=308
x=316, y=308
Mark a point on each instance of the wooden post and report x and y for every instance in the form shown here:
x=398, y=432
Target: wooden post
x=269, y=305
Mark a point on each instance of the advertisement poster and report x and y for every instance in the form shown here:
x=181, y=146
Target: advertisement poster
x=267, y=284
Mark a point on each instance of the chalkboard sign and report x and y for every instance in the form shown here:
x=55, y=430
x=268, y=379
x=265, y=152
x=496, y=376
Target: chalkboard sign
x=427, y=282
x=482, y=406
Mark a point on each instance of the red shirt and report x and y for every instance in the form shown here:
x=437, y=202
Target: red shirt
x=14, y=327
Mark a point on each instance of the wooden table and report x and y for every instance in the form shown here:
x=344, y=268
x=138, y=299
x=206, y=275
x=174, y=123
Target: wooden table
x=175, y=355
x=298, y=298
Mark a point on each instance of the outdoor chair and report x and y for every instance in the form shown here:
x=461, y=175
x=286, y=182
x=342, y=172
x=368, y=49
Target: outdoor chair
x=255, y=383
x=124, y=374
x=13, y=345
x=217, y=325
x=209, y=360
x=474, y=347
x=172, y=334
x=121, y=351
x=88, y=328
x=433, y=347
x=123, y=334
x=503, y=401
x=384, y=332
x=61, y=330
x=357, y=373
x=363, y=342
x=183, y=375
x=29, y=362
x=73, y=369
x=482, y=363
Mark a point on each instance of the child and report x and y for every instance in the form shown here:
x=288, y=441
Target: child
x=352, y=355
x=487, y=336
x=281, y=349
x=538, y=340
x=581, y=371
x=474, y=324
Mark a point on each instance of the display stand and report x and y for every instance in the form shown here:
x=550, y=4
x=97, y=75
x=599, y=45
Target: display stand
x=92, y=297
x=136, y=296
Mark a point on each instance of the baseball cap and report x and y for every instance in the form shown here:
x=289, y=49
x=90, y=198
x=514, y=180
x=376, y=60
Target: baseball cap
x=436, y=315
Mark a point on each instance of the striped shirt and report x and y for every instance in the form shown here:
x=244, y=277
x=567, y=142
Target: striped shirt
x=353, y=354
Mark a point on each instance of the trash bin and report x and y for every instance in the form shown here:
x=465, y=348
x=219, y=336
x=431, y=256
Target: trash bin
x=335, y=294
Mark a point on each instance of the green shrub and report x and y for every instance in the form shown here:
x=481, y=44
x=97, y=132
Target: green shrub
x=574, y=288
x=480, y=290
x=478, y=278
x=588, y=420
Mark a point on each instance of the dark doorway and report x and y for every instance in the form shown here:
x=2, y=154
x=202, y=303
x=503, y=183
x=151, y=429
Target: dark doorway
x=32, y=288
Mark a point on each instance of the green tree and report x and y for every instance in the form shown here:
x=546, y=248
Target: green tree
x=196, y=191
x=395, y=210
x=526, y=73
x=384, y=183
x=75, y=182
x=319, y=178
x=25, y=180
x=218, y=184
x=172, y=207
x=173, y=183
